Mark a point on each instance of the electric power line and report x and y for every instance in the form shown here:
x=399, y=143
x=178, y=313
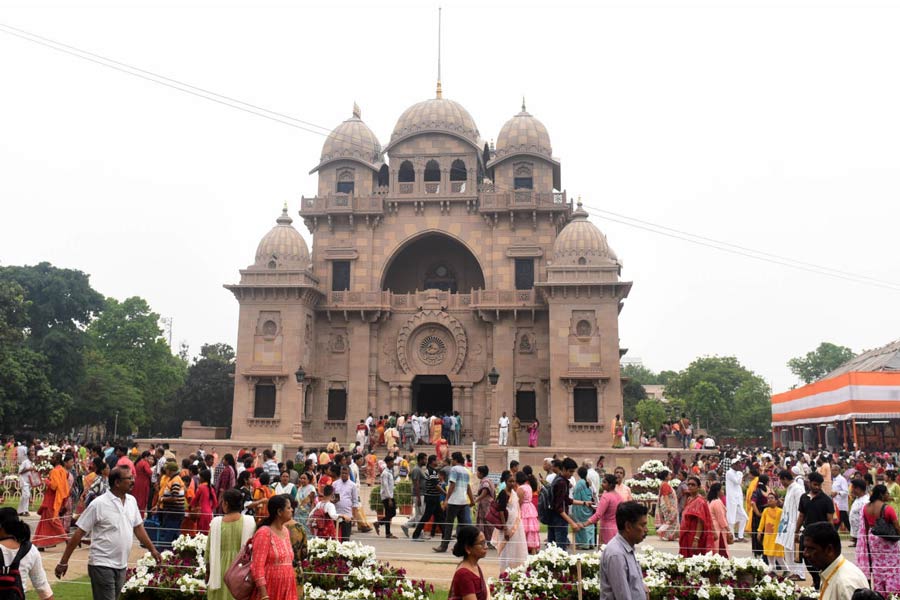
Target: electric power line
x=321, y=130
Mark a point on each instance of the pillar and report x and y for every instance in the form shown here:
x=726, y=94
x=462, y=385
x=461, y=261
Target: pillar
x=395, y=397
x=468, y=431
x=405, y=399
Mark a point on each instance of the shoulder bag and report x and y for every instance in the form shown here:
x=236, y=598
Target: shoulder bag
x=237, y=578
x=883, y=529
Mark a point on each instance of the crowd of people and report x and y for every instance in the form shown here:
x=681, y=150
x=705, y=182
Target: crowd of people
x=775, y=501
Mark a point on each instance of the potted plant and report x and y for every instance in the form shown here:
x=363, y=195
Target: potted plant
x=375, y=502
x=403, y=497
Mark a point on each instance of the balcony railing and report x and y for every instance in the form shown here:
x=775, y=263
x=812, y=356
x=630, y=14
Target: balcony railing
x=477, y=299
x=523, y=199
x=342, y=204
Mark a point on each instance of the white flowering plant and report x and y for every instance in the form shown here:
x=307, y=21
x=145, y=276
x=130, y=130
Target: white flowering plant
x=181, y=573
x=553, y=573
x=348, y=570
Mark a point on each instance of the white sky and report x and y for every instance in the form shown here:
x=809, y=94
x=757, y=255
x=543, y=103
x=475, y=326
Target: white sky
x=770, y=125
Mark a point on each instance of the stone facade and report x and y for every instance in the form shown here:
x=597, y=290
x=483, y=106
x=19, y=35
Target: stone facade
x=433, y=261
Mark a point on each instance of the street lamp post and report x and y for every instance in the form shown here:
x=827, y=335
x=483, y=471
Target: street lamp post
x=300, y=375
x=493, y=377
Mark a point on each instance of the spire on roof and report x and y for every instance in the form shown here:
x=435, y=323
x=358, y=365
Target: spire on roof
x=356, y=112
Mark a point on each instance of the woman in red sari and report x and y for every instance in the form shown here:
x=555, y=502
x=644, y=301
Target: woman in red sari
x=696, y=535
x=142, y=478
x=50, y=530
x=204, y=503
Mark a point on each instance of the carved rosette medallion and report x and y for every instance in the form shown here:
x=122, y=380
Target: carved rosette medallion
x=433, y=341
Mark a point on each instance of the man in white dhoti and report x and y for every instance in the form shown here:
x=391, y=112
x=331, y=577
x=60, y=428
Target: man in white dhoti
x=787, y=528
x=734, y=494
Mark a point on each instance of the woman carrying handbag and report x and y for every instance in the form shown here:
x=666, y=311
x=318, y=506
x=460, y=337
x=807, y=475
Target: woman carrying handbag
x=878, y=553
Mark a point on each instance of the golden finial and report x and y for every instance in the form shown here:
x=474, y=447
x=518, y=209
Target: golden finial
x=438, y=93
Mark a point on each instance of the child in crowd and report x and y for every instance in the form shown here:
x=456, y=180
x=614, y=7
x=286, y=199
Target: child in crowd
x=773, y=552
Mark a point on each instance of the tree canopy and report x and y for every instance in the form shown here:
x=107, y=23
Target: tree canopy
x=821, y=361
x=724, y=396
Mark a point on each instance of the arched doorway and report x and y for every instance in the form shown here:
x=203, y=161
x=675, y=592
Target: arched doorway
x=432, y=394
x=433, y=261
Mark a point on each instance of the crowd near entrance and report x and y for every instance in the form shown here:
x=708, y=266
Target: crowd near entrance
x=432, y=394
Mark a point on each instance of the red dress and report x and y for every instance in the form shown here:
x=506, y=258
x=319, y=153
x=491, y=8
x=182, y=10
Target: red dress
x=466, y=582
x=696, y=513
x=273, y=565
x=141, y=489
x=204, y=505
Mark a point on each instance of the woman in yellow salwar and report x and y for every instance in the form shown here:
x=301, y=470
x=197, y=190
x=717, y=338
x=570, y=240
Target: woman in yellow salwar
x=50, y=530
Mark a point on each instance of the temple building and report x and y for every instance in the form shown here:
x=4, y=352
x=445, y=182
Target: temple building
x=435, y=260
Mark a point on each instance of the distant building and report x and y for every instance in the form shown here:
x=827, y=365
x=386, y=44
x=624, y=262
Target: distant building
x=855, y=406
x=656, y=392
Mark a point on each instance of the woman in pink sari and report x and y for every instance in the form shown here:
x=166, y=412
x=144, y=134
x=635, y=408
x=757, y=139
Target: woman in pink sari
x=696, y=536
x=719, y=519
x=606, y=509
x=533, y=433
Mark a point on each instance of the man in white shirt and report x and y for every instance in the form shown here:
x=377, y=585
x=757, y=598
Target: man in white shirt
x=840, y=491
x=113, y=520
x=503, y=423
x=347, y=499
x=734, y=493
x=822, y=551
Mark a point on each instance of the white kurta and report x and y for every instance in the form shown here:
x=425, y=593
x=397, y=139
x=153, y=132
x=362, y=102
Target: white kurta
x=735, y=510
x=788, y=525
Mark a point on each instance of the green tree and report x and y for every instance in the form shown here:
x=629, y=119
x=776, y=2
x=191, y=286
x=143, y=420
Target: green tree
x=27, y=398
x=127, y=335
x=725, y=396
x=61, y=303
x=632, y=393
x=821, y=361
x=651, y=413
x=208, y=391
x=639, y=373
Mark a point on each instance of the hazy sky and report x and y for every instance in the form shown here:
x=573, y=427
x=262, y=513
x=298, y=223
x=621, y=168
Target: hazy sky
x=774, y=126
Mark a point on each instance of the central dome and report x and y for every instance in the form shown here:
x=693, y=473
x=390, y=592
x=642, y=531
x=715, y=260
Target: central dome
x=437, y=115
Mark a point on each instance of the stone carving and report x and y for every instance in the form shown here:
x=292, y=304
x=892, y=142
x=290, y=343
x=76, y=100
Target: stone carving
x=583, y=328
x=269, y=323
x=270, y=328
x=432, y=350
x=307, y=333
x=443, y=320
x=337, y=342
x=526, y=343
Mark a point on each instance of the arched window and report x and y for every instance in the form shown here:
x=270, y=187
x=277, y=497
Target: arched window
x=383, y=176
x=458, y=176
x=406, y=174
x=432, y=177
x=458, y=170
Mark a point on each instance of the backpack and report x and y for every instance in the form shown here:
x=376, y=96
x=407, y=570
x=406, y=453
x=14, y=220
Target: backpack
x=545, y=504
x=320, y=524
x=11, y=587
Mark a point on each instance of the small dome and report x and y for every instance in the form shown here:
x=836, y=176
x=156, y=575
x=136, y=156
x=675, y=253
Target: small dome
x=523, y=134
x=581, y=239
x=282, y=247
x=438, y=115
x=351, y=140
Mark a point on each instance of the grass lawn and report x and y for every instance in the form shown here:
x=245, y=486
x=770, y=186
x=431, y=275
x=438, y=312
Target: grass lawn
x=14, y=503
x=77, y=589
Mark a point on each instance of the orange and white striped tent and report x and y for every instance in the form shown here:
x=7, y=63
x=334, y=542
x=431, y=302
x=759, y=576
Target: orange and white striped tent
x=866, y=389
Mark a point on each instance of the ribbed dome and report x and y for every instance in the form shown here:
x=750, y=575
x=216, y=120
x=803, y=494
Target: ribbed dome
x=351, y=140
x=283, y=246
x=436, y=115
x=581, y=239
x=523, y=134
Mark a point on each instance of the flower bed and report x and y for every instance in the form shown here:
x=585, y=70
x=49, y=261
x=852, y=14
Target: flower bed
x=332, y=570
x=181, y=574
x=349, y=570
x=553, y=573
x=644, y=485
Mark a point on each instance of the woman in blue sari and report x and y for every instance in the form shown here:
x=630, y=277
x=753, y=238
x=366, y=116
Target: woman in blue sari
x=585, y=538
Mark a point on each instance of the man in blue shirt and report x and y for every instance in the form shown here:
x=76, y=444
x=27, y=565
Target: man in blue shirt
x=621, y=577
x=459, y=499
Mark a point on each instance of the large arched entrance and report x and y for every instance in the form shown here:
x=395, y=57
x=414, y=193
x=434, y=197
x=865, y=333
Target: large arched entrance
x=433, y=261
x=432, y=394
